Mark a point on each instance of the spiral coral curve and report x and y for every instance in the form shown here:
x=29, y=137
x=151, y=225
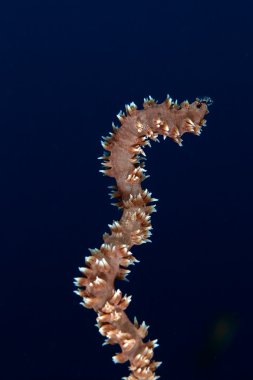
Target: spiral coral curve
x=124, y=160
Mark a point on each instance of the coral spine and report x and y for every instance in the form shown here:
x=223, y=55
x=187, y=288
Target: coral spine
x=124, y=159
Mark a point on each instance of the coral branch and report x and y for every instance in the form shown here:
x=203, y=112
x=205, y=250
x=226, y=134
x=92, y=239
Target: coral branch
x=124, y=159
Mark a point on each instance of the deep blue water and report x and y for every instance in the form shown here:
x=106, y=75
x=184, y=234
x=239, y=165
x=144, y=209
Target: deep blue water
x=66, y=69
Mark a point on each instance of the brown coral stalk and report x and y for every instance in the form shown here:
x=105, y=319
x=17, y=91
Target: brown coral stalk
x=123, y=160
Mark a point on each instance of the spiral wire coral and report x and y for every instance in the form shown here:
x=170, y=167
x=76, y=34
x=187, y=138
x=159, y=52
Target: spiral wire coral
x=124, y=159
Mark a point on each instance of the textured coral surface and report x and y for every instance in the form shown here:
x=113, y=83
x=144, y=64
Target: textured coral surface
x=124, y=159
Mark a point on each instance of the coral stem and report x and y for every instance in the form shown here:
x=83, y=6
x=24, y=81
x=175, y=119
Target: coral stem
x=124, y=159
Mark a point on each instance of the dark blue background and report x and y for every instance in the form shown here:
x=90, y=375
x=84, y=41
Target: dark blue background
x=66, y=68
